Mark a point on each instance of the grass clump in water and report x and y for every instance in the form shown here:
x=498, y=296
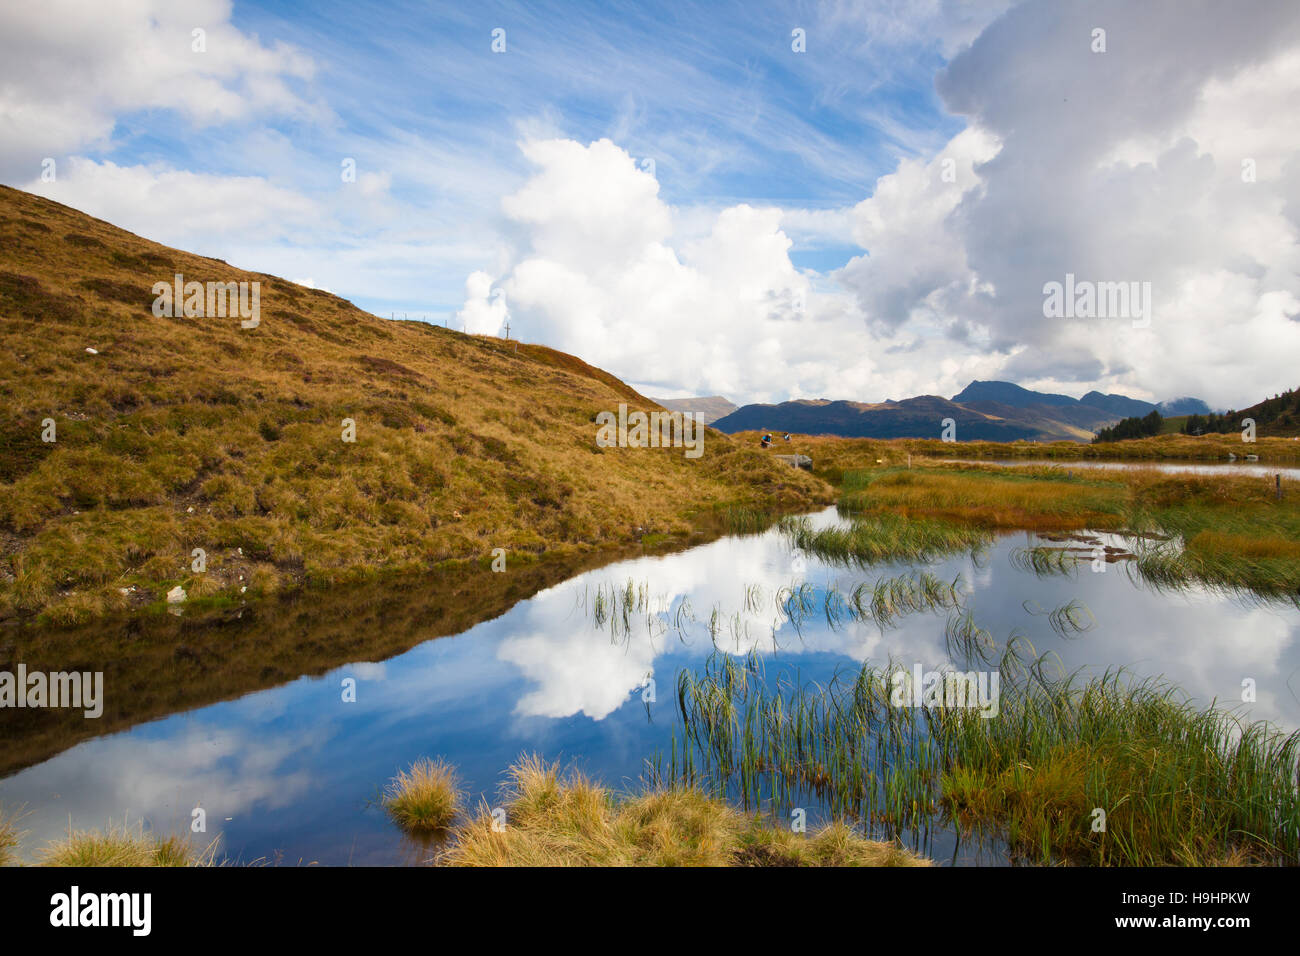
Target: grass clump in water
x=556, y=820
x=424, y=798
x=874, y=539
x=1179, y=784
x=124, y=846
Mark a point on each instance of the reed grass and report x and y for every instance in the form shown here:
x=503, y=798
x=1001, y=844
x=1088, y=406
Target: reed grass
x=1179, y=784
x=883, y=538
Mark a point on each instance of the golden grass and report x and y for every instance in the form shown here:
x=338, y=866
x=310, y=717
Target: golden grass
x=194, y=433
x=1235, y=531
x=832, y=455
x=425, y=797
x=1218, y=543
x=993, y=500
x=124, y=846
x=9, y=835
x=554, y=820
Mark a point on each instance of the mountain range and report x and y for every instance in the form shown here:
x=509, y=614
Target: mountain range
x=996, y=411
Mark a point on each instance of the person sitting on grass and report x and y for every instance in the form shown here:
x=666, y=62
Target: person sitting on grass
x=766, y=441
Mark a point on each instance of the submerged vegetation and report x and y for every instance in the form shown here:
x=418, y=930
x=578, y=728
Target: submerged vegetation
x=1103, y=771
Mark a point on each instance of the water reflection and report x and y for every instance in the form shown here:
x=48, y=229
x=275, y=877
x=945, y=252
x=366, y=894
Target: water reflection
x=291, y=774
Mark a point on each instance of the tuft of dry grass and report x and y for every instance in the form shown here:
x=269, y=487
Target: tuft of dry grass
x=124, y=846
x=424, y=798
x=9, y=835
x=557, y=820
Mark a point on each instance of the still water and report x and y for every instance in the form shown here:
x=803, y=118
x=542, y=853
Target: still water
x=1248, y=469
x=292, y=774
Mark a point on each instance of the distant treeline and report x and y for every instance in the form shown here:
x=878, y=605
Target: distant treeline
x=1144, y=427
x=1281, y=410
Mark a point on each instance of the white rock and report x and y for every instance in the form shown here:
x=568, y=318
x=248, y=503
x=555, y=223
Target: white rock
x=91, y=351
x=176, y=595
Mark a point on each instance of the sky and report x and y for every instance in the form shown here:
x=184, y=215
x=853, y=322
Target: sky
x=849, y=200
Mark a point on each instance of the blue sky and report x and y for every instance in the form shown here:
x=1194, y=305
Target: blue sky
x=714, y=95
x=674, y=193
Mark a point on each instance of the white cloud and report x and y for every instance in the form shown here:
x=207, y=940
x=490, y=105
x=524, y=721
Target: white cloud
x=173, y=206
x=485, y=311
x=1122, y=166
x=601, y=269
x=71, y=68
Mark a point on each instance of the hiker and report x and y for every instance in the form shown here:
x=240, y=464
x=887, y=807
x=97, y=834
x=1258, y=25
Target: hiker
x=767, y=441
x=787, y=436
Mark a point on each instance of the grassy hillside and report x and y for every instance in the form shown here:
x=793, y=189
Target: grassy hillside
x=184, y=433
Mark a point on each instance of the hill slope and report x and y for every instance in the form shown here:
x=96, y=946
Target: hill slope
x=181, y=433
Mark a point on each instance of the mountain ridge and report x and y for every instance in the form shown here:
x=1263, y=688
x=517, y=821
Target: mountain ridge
x=984, y=410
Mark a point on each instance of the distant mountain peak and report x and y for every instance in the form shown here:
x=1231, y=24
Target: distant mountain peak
x=1009, y=393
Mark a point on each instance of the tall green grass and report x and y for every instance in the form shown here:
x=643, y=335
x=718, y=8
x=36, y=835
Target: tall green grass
x=884, y=538
x=1178, y=784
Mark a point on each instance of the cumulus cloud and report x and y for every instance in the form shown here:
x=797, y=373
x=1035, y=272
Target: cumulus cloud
x=1122, y=166
x=603, y=267
x=917, y=259
x=1117, y=166
x=70, y=69
x=484, y=312
x=173, y=206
